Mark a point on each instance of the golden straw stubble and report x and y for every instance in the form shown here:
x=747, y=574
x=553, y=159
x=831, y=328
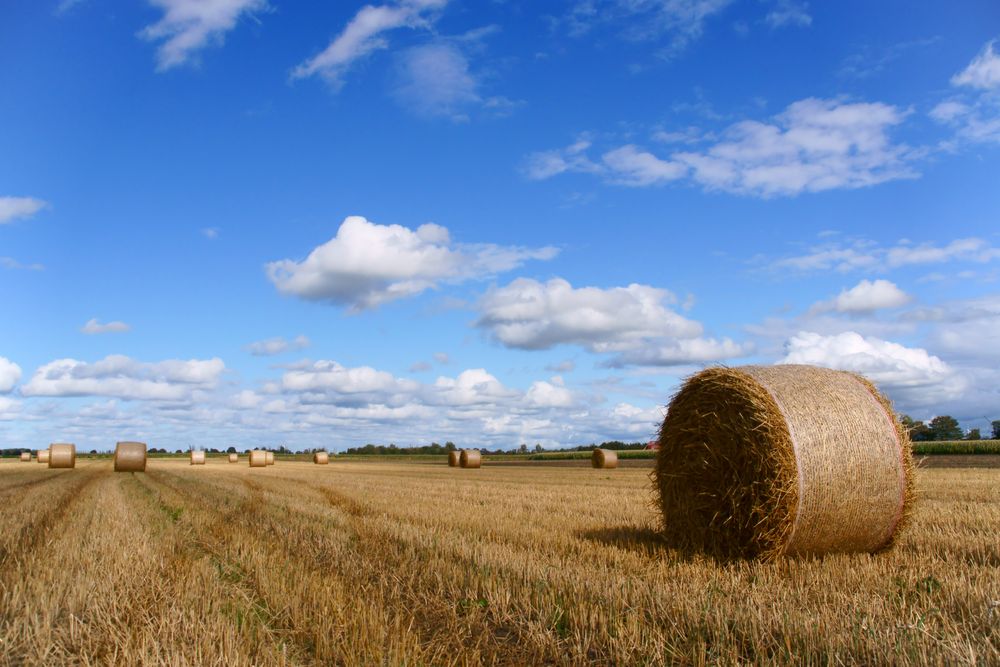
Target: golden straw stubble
x=604, y=458
x=130, y=457
x=470, y=458
x=765, y=461
x=62, y=455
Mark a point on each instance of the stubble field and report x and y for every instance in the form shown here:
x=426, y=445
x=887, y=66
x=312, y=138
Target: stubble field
x=415, y=564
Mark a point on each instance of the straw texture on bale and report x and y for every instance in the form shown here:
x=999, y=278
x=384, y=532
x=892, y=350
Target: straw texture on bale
x=234, y=458
x=258, y=458
x=768, y=461
x=42, y=456
x=130, y=457
x=197, y=457
x=270, y=458
x=470, y=458
x=321, y=458
x=26, y=457
x=62, y=455
x=453, y=459
x=604, y=458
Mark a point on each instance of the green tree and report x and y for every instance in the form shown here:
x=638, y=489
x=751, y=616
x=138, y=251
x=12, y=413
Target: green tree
x=974, y=434
x=917, y=429
x=945, y=427
x=996, y=429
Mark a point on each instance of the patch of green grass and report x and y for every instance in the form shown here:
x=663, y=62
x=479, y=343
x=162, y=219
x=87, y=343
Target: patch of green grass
x=957, y=447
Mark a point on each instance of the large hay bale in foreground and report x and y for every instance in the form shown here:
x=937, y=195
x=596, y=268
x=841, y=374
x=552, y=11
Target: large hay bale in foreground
x=270, y=458
x=766, y=461
x=197, y=457
x=42, y=456
x=62, y=455
x=258, y=458
x=470, y=458
x=234, y=458
x=604, y=458
x=130, y=457
x=453, y=459
x=321, y=458
x=26, y=457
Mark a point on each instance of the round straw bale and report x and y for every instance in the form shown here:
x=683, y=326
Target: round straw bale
x=270, y=458
x=130, y=457
x=766, y=461
x=234, y=458
x=258, y=458
x=453, y=459
x=42, y=456
x=321, y=458
x=26, y=457
x=470, y=458
x=197, y=457
x=604, y=458
x=62, y=455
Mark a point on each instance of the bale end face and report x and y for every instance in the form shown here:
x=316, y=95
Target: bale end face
x=42, y=456
x=321, y=458
x=197, y=457
x=270, y=458
x=26, y=457
x=769, y=461
x=130, y=457
x=62, y=455
x=453, y=459
x=234, y=458
x=470, y=458
x=604, y=458
x=258, y=458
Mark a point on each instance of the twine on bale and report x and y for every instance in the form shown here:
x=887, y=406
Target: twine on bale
x=604, y=458
x=130, y=457
x=270, y=458
x=258, y=458
x=62, y=455
x=234, y=458
x=42, y=456
x=197, y=457
x=470, y=458
x=321, y=458
x=453, y=459
x=26, y=457
x=768, y=461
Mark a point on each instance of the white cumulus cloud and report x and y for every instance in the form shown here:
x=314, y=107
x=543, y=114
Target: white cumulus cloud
x=187, y=26
x=10, y=374
x=12, y=208
x=119, y=376
x=866, y=297
x=367, y=264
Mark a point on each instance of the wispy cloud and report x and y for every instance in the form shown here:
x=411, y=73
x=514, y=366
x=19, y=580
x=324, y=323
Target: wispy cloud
x=277, y=345
x=14, y=208
x=866, y=255
x=188, y=26
x=789, y=13
x=14, y=265
x=95, y=327
x=975, y=113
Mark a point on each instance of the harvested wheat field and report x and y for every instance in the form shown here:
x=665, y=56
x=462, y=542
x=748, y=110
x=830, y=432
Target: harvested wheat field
x=384, y=563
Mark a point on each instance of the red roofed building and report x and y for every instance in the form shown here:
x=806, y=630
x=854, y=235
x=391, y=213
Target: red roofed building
x=652, y=444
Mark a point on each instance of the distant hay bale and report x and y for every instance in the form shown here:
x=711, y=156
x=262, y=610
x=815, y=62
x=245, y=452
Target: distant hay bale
x=453, y=459
x=62, y=455
x=258, y=458
x=42, y=456
x=470, y=458
x=130, y=457
x=234, y=458
x=321, y=458
x=604, y=458
x=26, y=457
x=270, y=458
x=767, y=461
x=197, y=457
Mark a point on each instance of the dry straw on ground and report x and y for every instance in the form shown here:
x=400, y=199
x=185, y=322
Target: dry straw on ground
x=258, y=458
x=781, y=460
x=470, y=458
x=604, y=458
x=62, y=455
x=270, y=458
x=234, y=458
x=197, y=457
x=453, y=459
x=42, y=456
x=26, y=457
x=130, y=457
x=321, y=458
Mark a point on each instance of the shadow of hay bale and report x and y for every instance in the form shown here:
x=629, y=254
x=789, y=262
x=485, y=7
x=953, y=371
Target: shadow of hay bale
x=648, y=542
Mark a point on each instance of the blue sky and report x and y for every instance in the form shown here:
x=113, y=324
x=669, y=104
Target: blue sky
x=256, y=222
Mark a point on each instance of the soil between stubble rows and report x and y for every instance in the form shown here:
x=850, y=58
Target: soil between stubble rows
x=394, y=563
